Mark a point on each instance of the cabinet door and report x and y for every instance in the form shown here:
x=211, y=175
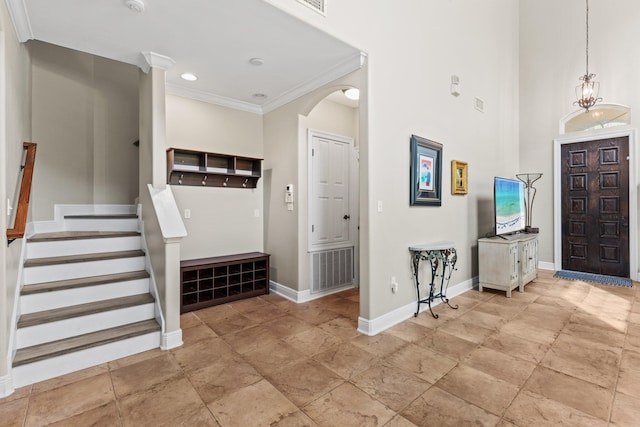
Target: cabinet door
x=528, y=260
x=513, y=263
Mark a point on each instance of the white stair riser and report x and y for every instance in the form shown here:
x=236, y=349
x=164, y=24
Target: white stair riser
x=53, y=331
x=49, y=368
x=61, y=210
x=82, y=246
x=101, y=224
x=66, y=297
x=50, y=273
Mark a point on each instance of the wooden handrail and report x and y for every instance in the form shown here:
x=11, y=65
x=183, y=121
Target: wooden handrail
x=20, y=224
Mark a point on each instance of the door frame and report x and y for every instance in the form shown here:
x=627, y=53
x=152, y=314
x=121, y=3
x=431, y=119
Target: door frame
x=354, y=198
x=633, y=192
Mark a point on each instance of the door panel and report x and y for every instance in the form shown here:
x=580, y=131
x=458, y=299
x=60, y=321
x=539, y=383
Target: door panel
x=595, y=206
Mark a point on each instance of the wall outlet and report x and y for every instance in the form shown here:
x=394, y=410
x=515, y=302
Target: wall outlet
x=187, y=213
x=394, y=285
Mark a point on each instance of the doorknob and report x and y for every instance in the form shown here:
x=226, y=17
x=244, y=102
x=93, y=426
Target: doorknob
x=346, y=217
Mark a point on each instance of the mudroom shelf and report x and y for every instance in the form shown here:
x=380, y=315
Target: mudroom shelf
x=211, y=281
x=197, y=168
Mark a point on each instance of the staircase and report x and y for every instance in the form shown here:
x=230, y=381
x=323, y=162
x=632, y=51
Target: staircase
x=86, y=297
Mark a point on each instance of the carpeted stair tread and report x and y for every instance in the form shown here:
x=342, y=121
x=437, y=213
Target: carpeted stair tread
x=100, y=256
x=42, y=317
x=82, y=342
x=82, y=282
x=102, y=216
x=79, y=235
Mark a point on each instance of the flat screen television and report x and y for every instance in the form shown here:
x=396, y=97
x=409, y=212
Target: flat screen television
x=509, y=209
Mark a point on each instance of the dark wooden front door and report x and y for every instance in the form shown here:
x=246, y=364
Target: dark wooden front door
x=595, y=206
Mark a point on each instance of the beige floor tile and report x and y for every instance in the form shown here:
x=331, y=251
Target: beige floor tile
x=436, y=407
x=516, y=346
x=273, y=356
x=69, y=378
x=424, y=363
x=250, y=339
x=295, y=419
x=221, y=377
x=346, y=360
x=130, y=360
x=217, y=313
x=106, y=415
x=189, y=320
x=144, y=375
x=202, y=354
x=251, y=304
x=315, y=316
x=485, y=320
x=286, y=326
x=483, y=390
x=532, y=409
x=581, y=395
x=626, y=411
x=500, y=365
x=427, y=320
x=231, y=324
x=348, y=406
x=244, y=407
x=632, y=343
x=13, y=413
x=505, y=423
x=201, y=417
x=391, y=385
x=447, y=344
x=556, y=301
x=273, y=298
x=380, y=345
x=634, y=329
x=630, y=360
x=467, y=331
x=341, y=327
x=344, y=307
x=195, y=334
x=545, y=321
x=313, y=341
x=18, y=393
x=598, y=320
x=265, y=314
x=399, y=421
x=409, y=331
x=304, y=381
x=161, y=405
x=592, y=333
x=529, y=331
x=504, y=311
x=69, y=400
x=629, y=382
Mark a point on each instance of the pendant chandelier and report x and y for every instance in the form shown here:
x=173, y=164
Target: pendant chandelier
x=587, y=91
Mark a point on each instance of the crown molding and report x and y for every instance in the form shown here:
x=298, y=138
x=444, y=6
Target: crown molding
x=155, y=60
x=174, y=89
x=20, y=19
x=341, y=69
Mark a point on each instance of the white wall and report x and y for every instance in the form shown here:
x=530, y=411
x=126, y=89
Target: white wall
x=15, y=128
x=223, y=220
x=85, y=121
x=413, y=48
x=551, y=62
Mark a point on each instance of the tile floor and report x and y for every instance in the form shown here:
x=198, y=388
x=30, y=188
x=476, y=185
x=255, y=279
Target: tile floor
x=562, y=353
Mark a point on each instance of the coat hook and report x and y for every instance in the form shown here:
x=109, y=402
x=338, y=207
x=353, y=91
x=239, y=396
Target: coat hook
x=204, y=180
x=225, y=182
x=180, y=179
x=245, y=183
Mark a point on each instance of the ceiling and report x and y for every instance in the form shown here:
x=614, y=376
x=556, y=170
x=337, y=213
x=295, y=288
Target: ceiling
x=213, y=39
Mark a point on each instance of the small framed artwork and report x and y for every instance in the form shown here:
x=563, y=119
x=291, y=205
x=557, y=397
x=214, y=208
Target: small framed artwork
x=458, y=177
x=426, y=172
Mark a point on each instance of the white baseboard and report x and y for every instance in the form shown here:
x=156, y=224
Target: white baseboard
x=387, y=320
x=544, y=265
x=6, y=386
x=171, y=340
x=301, y=296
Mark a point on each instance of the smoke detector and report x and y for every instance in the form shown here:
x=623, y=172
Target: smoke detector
x=135, y=5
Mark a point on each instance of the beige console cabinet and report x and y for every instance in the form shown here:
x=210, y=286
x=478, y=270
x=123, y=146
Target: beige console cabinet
x=508, y=263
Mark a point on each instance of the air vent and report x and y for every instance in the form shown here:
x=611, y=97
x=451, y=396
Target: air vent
x=331, y=269
x=317, y=5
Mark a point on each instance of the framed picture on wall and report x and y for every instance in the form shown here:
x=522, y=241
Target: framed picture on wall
x=458, y=177
x=426, y=172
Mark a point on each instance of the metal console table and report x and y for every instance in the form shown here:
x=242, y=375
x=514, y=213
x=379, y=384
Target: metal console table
x=438, y=254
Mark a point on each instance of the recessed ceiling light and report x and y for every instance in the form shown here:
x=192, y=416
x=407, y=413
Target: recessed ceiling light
x=256, y=61
x=352, y=93
x=135, y=5
x=189, y=77
x=259, y=96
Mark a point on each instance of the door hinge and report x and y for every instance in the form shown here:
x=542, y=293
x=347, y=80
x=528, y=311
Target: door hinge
x=313, y=228
x=313, y=152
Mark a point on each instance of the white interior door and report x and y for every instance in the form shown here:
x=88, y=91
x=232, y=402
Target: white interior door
x=329, y=188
